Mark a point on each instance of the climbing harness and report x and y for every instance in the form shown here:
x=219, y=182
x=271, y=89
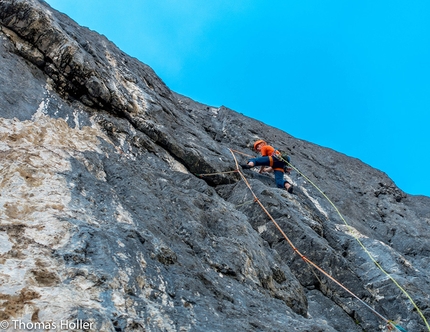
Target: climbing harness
x=390, y=324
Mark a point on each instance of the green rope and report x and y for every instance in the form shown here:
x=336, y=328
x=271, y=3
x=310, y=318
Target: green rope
x=365, y=249
x=398, y=327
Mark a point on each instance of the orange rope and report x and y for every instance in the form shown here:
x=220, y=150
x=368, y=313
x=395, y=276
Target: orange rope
x=389, y=322
x=243, y=154
x=210, y=174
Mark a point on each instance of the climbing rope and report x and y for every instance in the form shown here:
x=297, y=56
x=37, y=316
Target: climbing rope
x=211, y=174
x=362, y=245
x=390, y=324
x=303, y=257
x=243, y=154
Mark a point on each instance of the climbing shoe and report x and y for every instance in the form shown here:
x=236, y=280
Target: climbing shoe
x=290, y=188
x=246, y=166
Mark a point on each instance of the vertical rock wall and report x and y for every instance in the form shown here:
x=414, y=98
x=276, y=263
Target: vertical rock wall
x=104, y=221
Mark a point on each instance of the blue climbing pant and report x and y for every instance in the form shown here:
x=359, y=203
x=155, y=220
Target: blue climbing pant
x=277, y=166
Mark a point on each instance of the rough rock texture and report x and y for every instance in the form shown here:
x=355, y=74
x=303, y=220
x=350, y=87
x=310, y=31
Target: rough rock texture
x=103, y=219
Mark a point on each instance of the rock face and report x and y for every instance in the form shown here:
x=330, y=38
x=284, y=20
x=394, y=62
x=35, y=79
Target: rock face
x=103, y=219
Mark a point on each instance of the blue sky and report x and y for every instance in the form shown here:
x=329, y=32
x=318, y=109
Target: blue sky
x=353, y=76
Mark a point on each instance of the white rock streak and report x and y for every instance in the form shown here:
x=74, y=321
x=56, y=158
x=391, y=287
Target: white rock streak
x=34, y=204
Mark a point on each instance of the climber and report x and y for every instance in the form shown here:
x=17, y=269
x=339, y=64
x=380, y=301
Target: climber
x=269, y=157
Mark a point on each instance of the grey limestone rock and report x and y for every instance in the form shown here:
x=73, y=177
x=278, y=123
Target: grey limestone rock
x=105, y=219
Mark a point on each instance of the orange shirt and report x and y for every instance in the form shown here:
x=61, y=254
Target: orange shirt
x=267, y=150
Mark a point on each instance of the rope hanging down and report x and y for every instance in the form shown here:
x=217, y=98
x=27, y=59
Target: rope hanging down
x=362, y=245
x=390, y=323
x=308, y=261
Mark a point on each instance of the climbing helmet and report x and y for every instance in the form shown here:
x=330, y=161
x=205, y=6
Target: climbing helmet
x=258, y=142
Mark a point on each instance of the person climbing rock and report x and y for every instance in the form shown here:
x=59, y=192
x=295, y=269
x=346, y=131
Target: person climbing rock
x=269, y=161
